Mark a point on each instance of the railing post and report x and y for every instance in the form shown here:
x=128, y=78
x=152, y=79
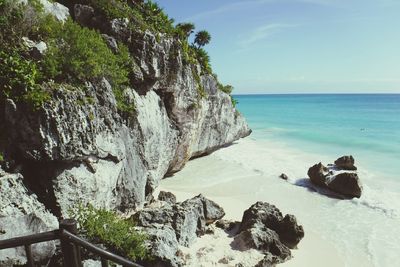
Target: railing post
x=71, y=253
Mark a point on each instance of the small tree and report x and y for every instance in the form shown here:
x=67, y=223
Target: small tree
x=202, y=38
x=186, y=28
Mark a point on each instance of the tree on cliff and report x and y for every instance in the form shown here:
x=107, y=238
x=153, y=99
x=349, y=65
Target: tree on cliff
x=202, y=38
x=186, y=28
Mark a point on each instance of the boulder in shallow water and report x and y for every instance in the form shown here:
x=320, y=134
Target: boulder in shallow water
x=317, y=174
x=346, y=163
x=344, y=182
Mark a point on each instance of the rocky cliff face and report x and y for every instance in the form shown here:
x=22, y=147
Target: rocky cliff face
x=79, y=148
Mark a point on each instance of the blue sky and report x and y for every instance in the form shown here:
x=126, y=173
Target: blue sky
x=299, y=46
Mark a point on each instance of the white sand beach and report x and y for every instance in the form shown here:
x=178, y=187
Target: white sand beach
x=336, y=231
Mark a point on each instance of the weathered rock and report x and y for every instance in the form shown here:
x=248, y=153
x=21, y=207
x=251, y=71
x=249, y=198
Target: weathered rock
x=59, y=11
x=318, y=173
x=36, y=49
x=188, y=219
x=149, y=216
x=163, y=246
x=111, y=42
x=345, y=182
x=83, y=14
x=227, y=225
x=262, y=239
x=269, y=261
x=346, y=163
x=262, y=215
x=22, y=214
x=290, y=233
x=283, y=176
x=84, y=150
x=167, y=197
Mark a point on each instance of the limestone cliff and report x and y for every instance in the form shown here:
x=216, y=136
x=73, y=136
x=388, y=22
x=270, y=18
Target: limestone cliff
x=79, y=148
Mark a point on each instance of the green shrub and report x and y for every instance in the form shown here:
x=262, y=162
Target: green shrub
x=204, y=59
x=234, y=102
x=225, y=88
x=1, y=157
x=119, y=235
x=111, y=9
x=79, y=54
x=19, y=79
x=154, y=16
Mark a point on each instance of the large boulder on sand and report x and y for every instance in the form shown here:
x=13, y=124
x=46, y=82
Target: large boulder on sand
x=267, y=216
x=172, y=225
x=264, y=228
x=189, y=218
x=340, y=178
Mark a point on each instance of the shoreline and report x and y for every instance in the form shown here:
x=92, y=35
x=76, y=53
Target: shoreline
x=235, y=179
x=312, y=249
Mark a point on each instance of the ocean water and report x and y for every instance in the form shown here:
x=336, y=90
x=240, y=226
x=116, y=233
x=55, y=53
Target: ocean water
x=366, y=126
x=290, y=134
x=323, y=128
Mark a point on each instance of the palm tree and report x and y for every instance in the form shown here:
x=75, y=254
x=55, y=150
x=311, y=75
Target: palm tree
x=187, y=28
x=202, y=38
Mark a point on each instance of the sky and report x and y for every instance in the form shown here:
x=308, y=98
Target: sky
x=299, y=46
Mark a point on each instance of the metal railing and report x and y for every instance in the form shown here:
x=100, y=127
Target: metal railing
x=70, y=246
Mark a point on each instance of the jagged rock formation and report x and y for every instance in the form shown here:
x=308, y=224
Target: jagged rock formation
x=340, y=177
x=264, y=228
x=169, y=227
x=22, y=214
x=79, y=148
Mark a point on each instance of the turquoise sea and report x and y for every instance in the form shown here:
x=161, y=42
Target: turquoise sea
x=290, y=134
x=366, y=126
x=325, y=127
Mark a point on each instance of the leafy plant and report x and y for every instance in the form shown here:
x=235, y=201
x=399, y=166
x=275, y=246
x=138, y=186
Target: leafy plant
x=19, y=79
x=119, y=235
x=228, y=90
x=202, y=38
x=225, y=88
x=234, y=102
x=185, y=29
x=204, y=59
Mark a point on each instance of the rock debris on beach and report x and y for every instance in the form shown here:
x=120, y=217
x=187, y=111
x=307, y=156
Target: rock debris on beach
x=174, y=231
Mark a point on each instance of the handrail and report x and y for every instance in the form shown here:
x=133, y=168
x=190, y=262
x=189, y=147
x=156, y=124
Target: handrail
x=101, y=252
x=69, y=244
x=29, y=239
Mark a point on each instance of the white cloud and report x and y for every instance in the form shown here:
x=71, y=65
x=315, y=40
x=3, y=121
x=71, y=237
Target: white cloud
x=263, y=32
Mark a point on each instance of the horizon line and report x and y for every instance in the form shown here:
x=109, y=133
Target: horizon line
x=331, y=93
